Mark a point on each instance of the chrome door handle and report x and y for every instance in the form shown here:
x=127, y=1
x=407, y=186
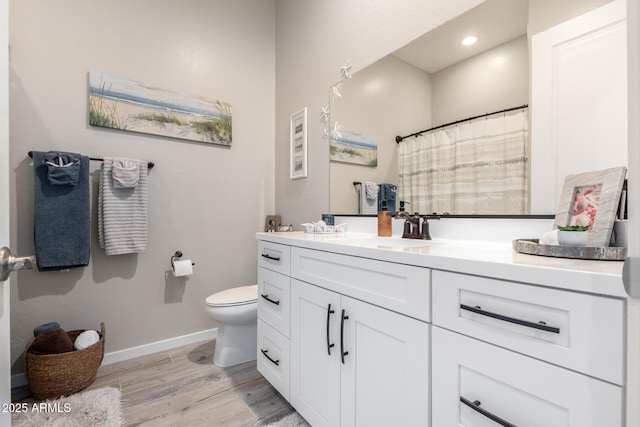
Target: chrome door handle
x=9, y=263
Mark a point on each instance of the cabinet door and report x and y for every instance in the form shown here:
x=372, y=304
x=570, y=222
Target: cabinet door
x=315, y=367
x=385, y=375
x=474, y=381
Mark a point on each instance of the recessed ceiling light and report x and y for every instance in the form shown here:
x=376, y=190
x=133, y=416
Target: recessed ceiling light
x=468, y=41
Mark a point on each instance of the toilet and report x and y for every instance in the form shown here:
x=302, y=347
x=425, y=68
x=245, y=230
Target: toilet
x=236, y=311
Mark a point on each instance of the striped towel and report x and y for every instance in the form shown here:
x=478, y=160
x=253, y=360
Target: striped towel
x=122, y=212
x=366, y=205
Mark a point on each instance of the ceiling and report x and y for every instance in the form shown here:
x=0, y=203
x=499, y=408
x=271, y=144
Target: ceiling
x=494, y=22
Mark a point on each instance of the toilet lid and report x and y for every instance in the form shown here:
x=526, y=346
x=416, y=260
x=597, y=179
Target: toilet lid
x=235, y=296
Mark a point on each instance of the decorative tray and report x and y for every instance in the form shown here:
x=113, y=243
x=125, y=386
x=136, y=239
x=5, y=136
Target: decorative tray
x=325, y=229
x=533, y=247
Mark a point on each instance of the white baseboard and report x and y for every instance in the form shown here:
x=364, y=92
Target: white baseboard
x=19, y=380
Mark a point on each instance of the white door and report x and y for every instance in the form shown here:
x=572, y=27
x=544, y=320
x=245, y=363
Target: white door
x=385, y=376
x=315, y=363
x=579, y=99
x=5, y=363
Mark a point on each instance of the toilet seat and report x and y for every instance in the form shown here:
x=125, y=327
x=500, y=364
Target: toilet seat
x=234, y=297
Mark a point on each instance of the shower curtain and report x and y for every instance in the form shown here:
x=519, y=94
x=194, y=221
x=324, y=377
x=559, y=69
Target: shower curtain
x=476, y=167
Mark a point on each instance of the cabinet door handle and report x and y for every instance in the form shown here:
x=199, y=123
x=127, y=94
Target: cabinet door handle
x=275, y=362
x=540, y=325
x=342, y=352
x=269, y=299
x=475, y=405
x=274, y=258
x=329, y=345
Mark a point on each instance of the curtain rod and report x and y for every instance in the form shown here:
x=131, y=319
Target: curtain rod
x=150, y=165
x=400, y=138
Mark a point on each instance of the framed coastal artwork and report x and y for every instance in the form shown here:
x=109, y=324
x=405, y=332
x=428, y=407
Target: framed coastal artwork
x=298, y=144
x=351, y=147
x=591, y=200
x=123, y=104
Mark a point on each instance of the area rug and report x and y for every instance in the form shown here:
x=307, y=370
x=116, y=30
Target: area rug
x=292, y=420
x=97, y=408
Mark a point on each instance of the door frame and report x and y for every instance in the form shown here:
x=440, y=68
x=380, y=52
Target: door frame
x=5, y=338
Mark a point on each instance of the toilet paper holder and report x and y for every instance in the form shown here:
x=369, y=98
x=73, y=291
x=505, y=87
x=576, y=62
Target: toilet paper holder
x=175, y=256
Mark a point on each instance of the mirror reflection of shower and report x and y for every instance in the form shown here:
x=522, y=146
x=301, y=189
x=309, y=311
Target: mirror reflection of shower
x=410, y=90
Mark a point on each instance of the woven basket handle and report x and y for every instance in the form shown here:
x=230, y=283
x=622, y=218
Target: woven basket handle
x=102, y=329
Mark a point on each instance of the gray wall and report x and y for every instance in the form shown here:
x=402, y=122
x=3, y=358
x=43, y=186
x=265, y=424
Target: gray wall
x=491, y=81
x=205, y=200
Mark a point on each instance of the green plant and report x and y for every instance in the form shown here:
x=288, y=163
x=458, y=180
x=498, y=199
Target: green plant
x=216, y=129
x=162, y=119
x=349, y=151
x=574, y=228
x=104, y=114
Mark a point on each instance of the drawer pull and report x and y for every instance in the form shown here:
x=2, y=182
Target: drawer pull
x=475, y=405
x=269, y=299
x=342, y=352
x=540, y=325
x=273, y=258
x=275, y=362
x=329, y=345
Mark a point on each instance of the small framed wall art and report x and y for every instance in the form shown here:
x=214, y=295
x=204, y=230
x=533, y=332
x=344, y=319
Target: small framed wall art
x=591, y=200
x=298, y=141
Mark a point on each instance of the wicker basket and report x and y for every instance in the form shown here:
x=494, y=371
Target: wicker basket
x=53, y=375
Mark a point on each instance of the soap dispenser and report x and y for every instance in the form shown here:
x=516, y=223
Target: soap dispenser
x=384, y=221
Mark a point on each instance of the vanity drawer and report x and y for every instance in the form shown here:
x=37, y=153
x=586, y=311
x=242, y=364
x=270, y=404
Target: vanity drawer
x=516, y=388
x=274, y=299
x=275, y=257
x=581, y=332
x=273, y=359
x=397, y=287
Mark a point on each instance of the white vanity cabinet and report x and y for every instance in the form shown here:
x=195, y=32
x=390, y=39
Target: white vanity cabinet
x=356, y=364
x=273, y=314
x=526, y=355
x=479, y=384
x=445, y=334
x=356, y=361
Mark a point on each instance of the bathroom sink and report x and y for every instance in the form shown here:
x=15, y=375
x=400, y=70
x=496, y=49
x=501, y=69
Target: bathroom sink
x=390, y=242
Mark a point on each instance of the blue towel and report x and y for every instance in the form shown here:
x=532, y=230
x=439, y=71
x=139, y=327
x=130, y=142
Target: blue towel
x=45, y=327
x=62, y=214
x=387, y=192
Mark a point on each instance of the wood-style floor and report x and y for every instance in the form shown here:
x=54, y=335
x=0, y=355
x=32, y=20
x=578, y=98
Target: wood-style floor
x=182, y=387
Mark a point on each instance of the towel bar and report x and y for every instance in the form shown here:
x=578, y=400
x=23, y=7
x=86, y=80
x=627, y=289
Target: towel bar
x=150, y=165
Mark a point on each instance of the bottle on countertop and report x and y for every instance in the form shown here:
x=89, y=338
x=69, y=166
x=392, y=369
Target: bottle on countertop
x=384, y=221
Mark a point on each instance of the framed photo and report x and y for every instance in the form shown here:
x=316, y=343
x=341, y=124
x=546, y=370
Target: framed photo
x=591, y=199
x=298, y=141
x=271, y=223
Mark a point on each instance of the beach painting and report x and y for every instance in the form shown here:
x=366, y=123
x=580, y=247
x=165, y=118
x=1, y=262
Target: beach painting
x=350, y=147
x=128, y=105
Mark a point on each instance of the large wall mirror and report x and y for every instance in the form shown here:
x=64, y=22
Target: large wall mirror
x=433, y=81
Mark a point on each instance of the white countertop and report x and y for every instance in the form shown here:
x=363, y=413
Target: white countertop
x=489, y=259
